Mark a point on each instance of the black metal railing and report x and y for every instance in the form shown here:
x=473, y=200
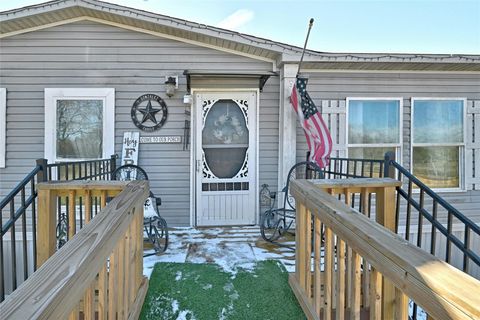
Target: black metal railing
x=18, y=259
x=81, y=170
x=433, y=212
x=419, y=211
x=341, y=168
x=17, y=203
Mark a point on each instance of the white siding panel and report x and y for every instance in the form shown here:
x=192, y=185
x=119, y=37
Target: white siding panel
x=88, y=54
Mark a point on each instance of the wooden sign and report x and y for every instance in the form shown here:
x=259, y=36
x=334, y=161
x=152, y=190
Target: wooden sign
x=161, y=139
x=130, y=156
x=130, y=148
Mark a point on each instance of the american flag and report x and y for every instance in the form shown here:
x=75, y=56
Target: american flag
x=318, y=137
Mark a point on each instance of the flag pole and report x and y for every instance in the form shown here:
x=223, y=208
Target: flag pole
x=310, y=25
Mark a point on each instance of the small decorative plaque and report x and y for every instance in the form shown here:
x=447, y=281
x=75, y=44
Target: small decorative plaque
x=161, y=139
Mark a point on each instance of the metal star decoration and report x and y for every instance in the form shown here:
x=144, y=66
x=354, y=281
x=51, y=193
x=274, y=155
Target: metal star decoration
x=149, y=113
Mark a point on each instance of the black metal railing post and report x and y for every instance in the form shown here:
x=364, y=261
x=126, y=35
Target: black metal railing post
x=388, y=171
x=113, y=163
x=42, y=175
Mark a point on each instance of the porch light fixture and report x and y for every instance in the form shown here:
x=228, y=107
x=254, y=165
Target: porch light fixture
x=171, y=84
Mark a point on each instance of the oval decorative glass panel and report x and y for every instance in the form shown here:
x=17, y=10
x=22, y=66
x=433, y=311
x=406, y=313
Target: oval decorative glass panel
x=225, y=138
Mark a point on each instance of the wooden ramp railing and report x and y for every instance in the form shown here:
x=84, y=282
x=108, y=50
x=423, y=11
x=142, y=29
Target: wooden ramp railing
x=362, y=270
x=98, y=274
x=78, y=201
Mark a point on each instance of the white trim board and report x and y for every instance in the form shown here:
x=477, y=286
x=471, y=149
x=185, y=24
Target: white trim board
x=54, y=94
x=386, y=71
x=3, y=127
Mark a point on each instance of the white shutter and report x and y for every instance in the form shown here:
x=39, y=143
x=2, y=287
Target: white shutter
x=472, y=146
x=334, y=114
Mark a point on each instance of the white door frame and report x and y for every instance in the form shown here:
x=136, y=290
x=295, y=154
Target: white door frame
x=193, y=144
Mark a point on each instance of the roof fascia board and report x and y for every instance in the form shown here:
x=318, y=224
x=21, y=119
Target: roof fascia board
x=132, y=28
x=384, y=71
x=379, y=57
x=167, y=21
x=190, y=26
x=43, y=26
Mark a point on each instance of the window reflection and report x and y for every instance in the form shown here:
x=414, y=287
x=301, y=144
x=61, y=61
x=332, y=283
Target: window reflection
x=79, y=129
x=437, y=167
x=369, y=153
x=438, y=140
x=438, y=121
x=375, y=121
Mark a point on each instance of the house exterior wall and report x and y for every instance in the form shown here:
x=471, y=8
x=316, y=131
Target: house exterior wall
x=89, y=54
x=329, y=91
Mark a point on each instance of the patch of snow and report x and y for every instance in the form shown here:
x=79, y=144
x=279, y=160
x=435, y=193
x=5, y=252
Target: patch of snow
x=184, y=313
x=230, y=257
x=174, y=306
x=178, y=276
x=207, y=286
x=233, y=296
x=159, y=311
x=228, y=287
x=230, y=248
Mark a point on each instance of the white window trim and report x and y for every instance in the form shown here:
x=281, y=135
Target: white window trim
x=461, y=154
x=54, y=94
x=398, y=146
x=3, y=127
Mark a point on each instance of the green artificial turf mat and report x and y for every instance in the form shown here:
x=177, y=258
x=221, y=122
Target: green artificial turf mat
x=206, y=292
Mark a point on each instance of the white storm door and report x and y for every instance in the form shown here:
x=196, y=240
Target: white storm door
x=226, y=158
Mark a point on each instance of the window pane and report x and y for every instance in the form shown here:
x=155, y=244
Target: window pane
x=79, y=129
x=375, y=121
x=369, y=153
x=367, y=169
x=225, y=162
x=437, y=121
x=225, y=124
x=225, y=138
x=437, y=167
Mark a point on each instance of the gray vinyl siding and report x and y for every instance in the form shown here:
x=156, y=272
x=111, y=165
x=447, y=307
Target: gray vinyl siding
x=88, y=54
x=339, y=86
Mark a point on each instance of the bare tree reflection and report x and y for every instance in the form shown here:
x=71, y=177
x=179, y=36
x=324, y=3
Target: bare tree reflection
x=79, y=128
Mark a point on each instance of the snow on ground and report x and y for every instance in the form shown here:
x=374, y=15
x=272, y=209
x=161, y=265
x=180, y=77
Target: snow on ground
x=231, y=248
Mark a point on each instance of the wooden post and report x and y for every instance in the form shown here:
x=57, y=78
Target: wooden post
x=318, y=299
x=46, y=225
x=376, y=295
x=385, y=215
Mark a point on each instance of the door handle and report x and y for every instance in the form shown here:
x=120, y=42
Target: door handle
x=199, y=165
